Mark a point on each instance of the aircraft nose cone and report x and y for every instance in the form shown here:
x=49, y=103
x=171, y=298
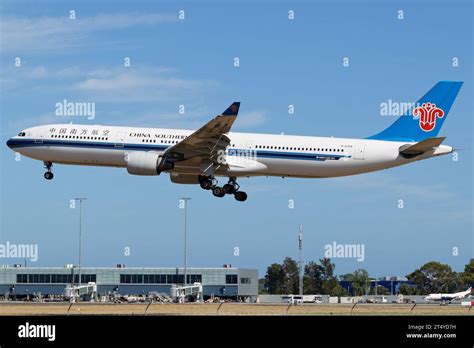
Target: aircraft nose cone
x=10, y=143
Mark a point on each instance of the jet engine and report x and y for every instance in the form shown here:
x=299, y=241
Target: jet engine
x=147, y=163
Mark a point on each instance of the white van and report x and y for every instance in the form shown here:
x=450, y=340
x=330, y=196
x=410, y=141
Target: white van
x=292, y=299
x=380, y=299
x=312, y=299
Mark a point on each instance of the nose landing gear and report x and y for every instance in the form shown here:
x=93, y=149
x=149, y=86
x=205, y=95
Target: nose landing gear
x=231, y=188
x=49, y=174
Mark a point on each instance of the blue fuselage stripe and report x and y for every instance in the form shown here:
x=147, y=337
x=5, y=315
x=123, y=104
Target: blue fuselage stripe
x=22, y=143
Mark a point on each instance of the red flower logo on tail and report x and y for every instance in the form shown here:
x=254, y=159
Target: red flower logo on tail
x=427, y=113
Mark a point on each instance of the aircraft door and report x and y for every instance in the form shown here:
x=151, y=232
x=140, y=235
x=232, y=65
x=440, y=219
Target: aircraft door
x=359, y=151
x=39, y=137
x=120, y=140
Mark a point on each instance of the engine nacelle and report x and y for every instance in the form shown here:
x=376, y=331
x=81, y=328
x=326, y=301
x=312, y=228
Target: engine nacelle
x=147, y=163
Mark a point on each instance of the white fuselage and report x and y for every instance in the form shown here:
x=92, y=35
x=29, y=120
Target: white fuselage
x=448, y=297
x=249, y=154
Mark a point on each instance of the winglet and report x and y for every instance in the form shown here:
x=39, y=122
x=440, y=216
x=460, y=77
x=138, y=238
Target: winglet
x=232, y=110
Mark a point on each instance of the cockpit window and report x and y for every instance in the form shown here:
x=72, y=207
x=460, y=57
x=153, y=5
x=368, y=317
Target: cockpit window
x=21, y=134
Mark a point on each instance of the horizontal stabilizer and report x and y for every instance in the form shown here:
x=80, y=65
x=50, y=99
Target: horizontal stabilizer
x=421, y=147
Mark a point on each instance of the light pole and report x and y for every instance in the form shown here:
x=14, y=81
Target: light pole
x=300, y=246
x=80, y=234
x=185, y=200
x=375, y=284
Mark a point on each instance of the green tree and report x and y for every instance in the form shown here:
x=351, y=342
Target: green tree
x=330, y=285
x=291, y=276
x=360, y=281
x=435, y=277
x=406, y=289
x=327, y=268
x=333, y=288
x=381, y=290
x=282, y=278
x=274, y=279
x=261, y=287
x=312, y=280
x=467, y=277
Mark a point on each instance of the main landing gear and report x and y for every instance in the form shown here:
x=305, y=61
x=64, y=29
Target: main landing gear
x=49, y=174
x=231, y=188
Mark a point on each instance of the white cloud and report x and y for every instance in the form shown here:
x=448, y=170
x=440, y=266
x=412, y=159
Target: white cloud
x=68, y=72
x=386, y=183
x=132, y=80
x=38, y=72
x=13, y=125
x=116, y=84
x=250, y=119
x=194, y=118
x=112, y=72
x=143, y=84
x=26, y=72
x=45, y=33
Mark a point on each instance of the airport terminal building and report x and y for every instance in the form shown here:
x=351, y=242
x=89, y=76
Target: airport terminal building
x=224, y=282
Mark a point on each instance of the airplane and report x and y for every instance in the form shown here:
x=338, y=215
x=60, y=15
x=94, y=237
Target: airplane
x=200, y=156
x=448, y=297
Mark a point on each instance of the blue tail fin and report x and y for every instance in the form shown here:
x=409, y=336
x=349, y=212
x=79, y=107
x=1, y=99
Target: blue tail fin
x=426, y=118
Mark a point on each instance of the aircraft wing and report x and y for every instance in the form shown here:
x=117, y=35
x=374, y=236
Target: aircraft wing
x=421, y=147
x=209, y=141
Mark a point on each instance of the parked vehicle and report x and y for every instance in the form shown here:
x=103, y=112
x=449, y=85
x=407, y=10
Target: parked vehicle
x=312, y=299
x=292, y=299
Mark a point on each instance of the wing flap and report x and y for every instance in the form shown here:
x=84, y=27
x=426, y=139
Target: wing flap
x=208, y=140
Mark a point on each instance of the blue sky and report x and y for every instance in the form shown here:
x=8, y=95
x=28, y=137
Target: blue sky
x=282, y=62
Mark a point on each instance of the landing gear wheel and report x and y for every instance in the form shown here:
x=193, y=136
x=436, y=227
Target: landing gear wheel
x=240, y=196
x=48, y=175
x=229, y=189
x=206, y=184
x=218, y=191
